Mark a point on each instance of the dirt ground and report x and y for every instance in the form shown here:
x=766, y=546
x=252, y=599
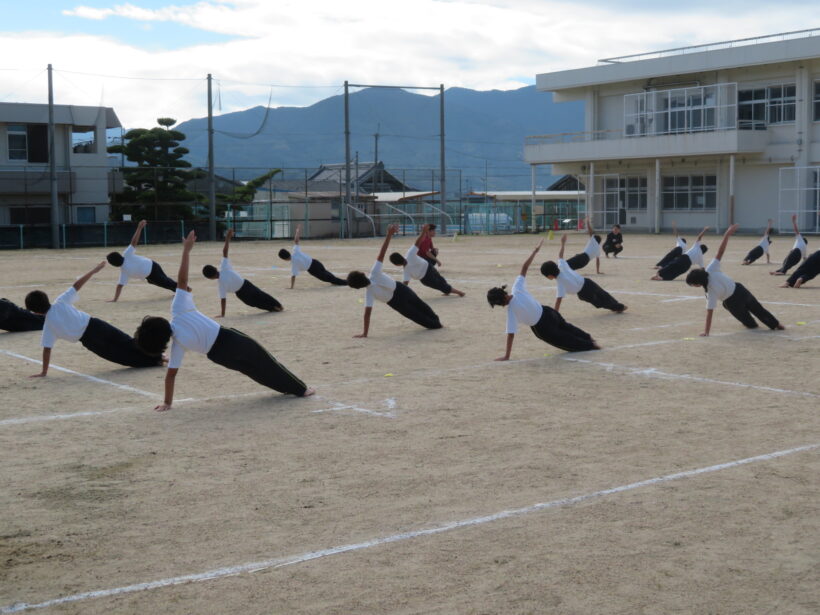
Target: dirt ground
x=424, y=477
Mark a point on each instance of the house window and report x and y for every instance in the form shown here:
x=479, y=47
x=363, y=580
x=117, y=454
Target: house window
x=86, y=215
x=689, y=192
x=782, y=103
x=29, y=215
x=817, y=101
x=18, y=142
x=82, y=140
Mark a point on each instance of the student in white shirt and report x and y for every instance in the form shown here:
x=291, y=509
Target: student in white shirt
x=64, y=321
x=568, y=281
x=384, y=288
x=798, y=252
x=192, y=330
x=682, y=264
x=591, y=250
x=300, y=261
x=418, y=268
x=231, y=282
x=13, y=318
x=680, y=245
x=734, y=296
x=761, y=248
x=134, y=266
x=547, y=324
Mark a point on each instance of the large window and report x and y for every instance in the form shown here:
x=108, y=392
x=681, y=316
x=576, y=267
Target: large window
x=689, y=192
x=696, y=109
x=758, y=107
x=27, y=142
x=18, y=142
x=817, y=101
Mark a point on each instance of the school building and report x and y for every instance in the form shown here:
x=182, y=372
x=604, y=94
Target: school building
x=708, y=135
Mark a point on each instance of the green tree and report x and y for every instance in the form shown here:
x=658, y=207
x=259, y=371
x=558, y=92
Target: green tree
x=156, y=186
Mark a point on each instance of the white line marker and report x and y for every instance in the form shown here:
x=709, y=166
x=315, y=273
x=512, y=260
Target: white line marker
x=655, y=373
x=674, y=324
x=281, y=562
x=336, y=406
x=124, y=387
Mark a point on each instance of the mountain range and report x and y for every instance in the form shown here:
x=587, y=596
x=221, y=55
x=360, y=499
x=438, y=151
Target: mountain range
x=484, y=132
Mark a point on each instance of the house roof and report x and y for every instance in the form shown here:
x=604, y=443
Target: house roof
x=398, y=197
x=73, y=115
x=683, y=61
x=540, y=195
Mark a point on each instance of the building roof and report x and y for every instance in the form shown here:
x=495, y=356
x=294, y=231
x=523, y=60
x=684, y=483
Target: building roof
x=524, y=195
x=73, y=115
x=398, y=197
x=687, y=60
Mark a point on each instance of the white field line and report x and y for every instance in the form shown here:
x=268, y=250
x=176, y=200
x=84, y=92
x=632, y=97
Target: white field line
x=280, y=562
x=655, y=373
x=669, y=326
x=123, y=387
x=702, y=296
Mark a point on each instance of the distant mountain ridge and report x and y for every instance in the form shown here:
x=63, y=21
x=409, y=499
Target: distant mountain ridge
x=484, y=134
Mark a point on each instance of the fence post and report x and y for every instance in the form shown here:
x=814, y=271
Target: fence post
x=21, y=236
x=145, y=235
x=64, y=243
x=105, y=234
x=182, y=228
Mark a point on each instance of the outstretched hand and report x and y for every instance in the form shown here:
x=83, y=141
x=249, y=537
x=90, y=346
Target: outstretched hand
x=189, y=241
x=228, y=234
x=98, y=267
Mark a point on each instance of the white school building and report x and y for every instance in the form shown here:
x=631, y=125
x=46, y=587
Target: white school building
x=703, y=136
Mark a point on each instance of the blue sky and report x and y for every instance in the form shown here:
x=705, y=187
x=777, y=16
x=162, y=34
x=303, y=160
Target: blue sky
x=149, y=58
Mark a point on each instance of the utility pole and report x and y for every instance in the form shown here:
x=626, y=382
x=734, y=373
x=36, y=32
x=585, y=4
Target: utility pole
x=211, y=182
x=443, y=178
x=343, y=208
x=52, y=167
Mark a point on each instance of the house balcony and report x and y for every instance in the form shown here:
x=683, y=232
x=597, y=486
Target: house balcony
x=34, y=180
x=614, y=145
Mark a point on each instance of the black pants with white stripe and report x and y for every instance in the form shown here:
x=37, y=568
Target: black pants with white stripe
x=807, y=271
x=597, y=296
x=670, y=256
x=434, y=279
x=754, y=254
x=108, y=342
x=579, y=261
x=742, y=305
x=677, y=267
x=554, y=330
x=317, y=270
x=408, y=304
x=792, y=258
x=157, y=277
x=252, y=295
x=235, y=350
x=15, y=318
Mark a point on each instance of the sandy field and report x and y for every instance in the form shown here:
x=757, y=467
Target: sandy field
x=665, y=473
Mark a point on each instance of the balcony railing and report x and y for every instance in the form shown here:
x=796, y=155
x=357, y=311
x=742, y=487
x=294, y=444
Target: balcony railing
x=574, y=137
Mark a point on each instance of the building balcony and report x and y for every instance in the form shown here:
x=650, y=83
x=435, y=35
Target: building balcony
x=614, y=145
x=34, y=180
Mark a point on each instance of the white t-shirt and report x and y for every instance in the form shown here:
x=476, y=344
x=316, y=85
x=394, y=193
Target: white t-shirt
x=381, y=287
x=416, y=266
x=568, y=281
x=192, y=330
x=764, y=243
x=134, y=266
x=800, y=244
x=593, y=248
x=63, y=321
x=229, y=280
x=720, y=287
x=680, y=242
x=695, y=254
x=522, y=307
x=299, y=261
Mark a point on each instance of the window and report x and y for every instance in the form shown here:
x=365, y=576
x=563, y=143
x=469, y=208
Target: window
x=682, y=110
x=29, y=215
x=758, y=107
x=28, y=142
x=817, y=101
x=18, y=142
x=689, y=192
x=86, y=215
x=781, y=108
x=751, y=109
x=82, y=140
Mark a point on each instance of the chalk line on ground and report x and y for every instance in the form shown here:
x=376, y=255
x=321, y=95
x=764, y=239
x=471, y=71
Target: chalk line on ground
x=281, y=562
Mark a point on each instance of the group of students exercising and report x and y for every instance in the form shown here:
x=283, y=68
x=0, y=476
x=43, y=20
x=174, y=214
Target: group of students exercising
x=190, y=329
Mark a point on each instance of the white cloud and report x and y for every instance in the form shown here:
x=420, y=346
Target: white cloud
x=478, y=44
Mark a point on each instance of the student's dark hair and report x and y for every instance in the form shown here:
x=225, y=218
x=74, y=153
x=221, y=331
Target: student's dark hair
x=549, y=268
x=698, y=277
x=497, y=296
x=597, y=238
x=397, y=259
x=210, y=272
x=683, y=239
x=153, y=335
x=284, y=254
x=431, y=227
x=115, y=258
x=703, y=248
x=617, y=226
x=804, y=238
x=37, y=302
x=357, y=279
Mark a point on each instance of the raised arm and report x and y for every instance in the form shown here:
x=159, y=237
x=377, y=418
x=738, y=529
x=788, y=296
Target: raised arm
x=563, y=245
x=590, y=230
x=528, y=262
x=794, y=225
x=136, y=238
x=184, y=263
x=675, y=228
x=722, y=248
x=391, y=230
x=702, y=233
x=226, y=247
x=768, y=228
x=81, y=282
x=298, y=234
